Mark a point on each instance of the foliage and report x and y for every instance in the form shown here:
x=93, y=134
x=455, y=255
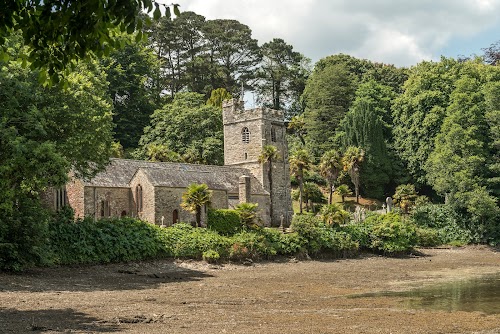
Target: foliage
x=443, y=219
x=317, y=237
x=224, y=221
x=268, y=155
x=334, y=214
x=343, y=191
x=247, y=213
x=329, y=167
x=23, y=235
x=194, y=198
x=103, y=241
x=129, y=71
x=300, y=161
x=188, y=127
x=328, y=95
x=211, y=256
x=367, y=125
x=405, y=196
x=282, y=75
x=428, y=237
x=217, y=96
x=59, y=33
x=352, y=160
x=386, y=233
x=492, y=54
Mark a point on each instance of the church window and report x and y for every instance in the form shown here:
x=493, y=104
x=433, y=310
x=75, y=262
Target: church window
x=138, y=197
x=105, y=209
x=60, y=198
x=273, y=134
x=175, y=216
x=245, y=135
x=246, y=156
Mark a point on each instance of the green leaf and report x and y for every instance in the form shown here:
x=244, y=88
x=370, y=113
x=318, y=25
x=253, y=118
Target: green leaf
x=157, y=12
x=177, y=12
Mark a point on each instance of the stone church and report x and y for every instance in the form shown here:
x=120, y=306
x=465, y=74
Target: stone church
x=152, y=191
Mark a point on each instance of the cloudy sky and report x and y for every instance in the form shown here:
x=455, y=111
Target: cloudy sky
x=400, y=32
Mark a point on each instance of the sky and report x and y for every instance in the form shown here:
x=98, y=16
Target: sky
x=402, y=32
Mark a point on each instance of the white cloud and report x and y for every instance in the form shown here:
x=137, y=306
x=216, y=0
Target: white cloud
x=390, y=31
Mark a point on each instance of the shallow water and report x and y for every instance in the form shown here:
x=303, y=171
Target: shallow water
x=480, y=294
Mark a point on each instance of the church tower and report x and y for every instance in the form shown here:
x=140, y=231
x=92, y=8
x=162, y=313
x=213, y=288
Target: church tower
x=246, y=132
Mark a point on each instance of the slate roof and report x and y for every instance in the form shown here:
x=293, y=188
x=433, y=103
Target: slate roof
x=120, y=172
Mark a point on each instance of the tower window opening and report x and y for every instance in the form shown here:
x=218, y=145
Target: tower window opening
x=245, y=135
x=246, y=156
x=273, y=134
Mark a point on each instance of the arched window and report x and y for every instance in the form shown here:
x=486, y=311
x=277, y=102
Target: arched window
x=273, y=134
x=138, y=197
x=105, y=209
x=245, y=135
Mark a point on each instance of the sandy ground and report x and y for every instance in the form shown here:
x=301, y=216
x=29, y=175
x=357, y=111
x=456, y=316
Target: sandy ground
x=287, y=296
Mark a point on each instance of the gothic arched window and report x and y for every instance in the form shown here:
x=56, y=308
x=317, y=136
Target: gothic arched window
x=245, y=135
x=273, y=134
x=138, y=197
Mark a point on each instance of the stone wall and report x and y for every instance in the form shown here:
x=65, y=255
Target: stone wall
x=148, y=197
x=102, y=202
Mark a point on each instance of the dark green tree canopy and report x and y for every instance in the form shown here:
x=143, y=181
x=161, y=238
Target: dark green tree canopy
x=189, y=127
x=59, y=32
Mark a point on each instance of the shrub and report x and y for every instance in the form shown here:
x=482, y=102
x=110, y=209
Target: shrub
x=427, y=237
x=224, y=221
x=444, y=220
x=211, y=256
x=23, y=236
x=390, y=234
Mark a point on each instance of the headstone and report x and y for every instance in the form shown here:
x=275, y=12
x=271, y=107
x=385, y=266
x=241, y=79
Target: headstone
x=389, y=203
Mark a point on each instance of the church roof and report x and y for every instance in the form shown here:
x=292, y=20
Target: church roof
x=120, y=172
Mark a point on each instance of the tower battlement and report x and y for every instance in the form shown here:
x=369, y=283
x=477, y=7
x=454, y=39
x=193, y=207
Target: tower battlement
x=234, y=111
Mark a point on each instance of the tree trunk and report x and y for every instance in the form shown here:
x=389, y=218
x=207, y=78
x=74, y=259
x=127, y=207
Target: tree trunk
x=198, y=216
x=301, y=192
x=331, y=194
x=270, y=178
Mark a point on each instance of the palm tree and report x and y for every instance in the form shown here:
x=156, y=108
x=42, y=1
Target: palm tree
x=353, y=157
x=300, y=162
x=247, y=213
x=329, y=167
x=195, y=197
x=268, y=155
x=334, y=214
x=343, y=191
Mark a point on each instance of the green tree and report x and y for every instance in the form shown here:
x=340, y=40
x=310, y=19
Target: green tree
x=57, y=33
x=405, y=196
x=300, y=161
x=188, y=127
x=343, y=191
x=330, y=167
x=232, y=53
x=194, y=198
x=419, y=112
x=247, y=213
x=217, y=96
x=268, y=155
x=282, y=74
x=352, y=160
x=129, y=73
x=458, y=167
x=328, y=95
x=334, y=214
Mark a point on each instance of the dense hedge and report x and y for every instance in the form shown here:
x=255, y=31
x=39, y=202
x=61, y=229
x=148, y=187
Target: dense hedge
x=128, y=239
x=224, y=221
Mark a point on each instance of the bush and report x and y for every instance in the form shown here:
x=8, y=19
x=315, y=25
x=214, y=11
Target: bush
x=444, y=220
x=103, y=241
x=224, y=221
x=390, y=234
x=386, y=233
x=23, y=236
x=428, y=237
x=211, y=256
x=318, y=237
